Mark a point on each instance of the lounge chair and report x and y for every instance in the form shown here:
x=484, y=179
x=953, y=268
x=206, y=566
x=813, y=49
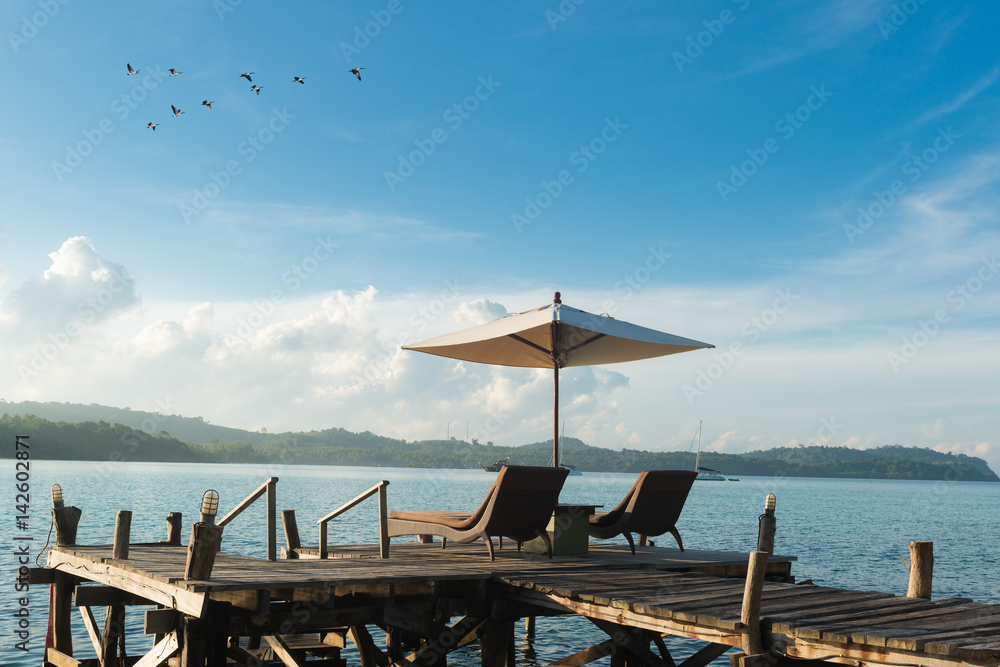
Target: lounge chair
x=518, y=505
x=651, y=507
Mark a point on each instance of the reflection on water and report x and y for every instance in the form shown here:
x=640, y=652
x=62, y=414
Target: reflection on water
x=846, y=533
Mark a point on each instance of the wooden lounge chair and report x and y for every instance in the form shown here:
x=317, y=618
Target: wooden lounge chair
x=519, y=506
x=651, y=507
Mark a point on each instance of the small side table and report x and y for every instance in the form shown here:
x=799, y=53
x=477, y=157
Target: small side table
x=568, y=529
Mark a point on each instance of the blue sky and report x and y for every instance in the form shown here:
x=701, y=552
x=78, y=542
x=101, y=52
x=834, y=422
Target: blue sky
x=811, y=188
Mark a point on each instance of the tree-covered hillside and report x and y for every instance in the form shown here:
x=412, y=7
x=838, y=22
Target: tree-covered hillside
x=103, y=440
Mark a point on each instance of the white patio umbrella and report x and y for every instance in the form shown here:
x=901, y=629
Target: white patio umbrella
x=555, y=336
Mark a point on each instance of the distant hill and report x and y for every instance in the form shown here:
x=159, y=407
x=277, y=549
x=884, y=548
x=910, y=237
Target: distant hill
x=189, y=429
x=94, y=432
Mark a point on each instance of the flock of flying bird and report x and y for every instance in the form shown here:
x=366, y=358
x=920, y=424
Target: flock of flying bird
x=356, y=71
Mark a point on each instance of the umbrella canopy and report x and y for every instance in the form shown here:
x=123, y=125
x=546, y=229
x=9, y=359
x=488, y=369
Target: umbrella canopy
x=556, y=336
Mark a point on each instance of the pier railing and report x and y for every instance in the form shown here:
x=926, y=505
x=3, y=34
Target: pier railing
x=270, y=488
x=383, y=526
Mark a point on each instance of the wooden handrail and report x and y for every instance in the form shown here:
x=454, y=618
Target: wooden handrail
x=382, y=522
x=270, y=488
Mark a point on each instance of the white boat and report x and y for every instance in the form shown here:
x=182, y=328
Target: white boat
x=705, y=474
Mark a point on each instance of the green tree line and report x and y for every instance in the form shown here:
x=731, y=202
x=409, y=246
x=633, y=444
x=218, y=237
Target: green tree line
x=101, y=440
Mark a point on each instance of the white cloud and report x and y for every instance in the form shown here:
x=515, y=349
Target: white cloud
x=80, y=289
x=983, y=450
x=983, y=84
x=730, y=441
x=820, y=27
x=817, y=373
x=480, y=311
x=346, y=221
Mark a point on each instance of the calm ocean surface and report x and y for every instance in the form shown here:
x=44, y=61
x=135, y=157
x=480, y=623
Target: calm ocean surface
x=847, y=533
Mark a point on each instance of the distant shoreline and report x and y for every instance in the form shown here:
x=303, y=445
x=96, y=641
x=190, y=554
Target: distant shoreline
x=487, y=475
x=99, y=433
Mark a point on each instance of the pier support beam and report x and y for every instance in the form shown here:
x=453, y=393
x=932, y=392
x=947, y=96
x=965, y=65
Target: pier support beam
x=113, y=636
x=66, y=519
x=292, y=540
x=174, y=520
x=61, y=611
x=192, y=643
x=204, y=544
x=369, y=653
x=217, y=627
x=750, y=612
x=123, y=531
x=497, y=643
x=921, y=570
x=630, y=646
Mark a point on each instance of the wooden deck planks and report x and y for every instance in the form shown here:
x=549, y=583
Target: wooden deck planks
x=657, y=589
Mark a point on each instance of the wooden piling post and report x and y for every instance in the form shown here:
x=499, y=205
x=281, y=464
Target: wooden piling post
x=393, y=643
x=383, y=522
x=66, y=519
x=529, y=627
x=114, y=630
x=496, y=644
x=292, y=541
x=193, y=643
x=204, y=544
x=272, y=519
x=62, y=611
x=750, y=612
x=921, y=570
x=123, y=529
x=216, y=632
x=174, y=520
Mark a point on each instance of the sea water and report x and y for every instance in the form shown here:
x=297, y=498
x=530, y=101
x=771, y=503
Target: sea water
x=845, y=533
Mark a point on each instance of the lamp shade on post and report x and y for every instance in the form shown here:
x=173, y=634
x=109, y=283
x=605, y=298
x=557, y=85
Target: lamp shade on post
x=209, y=506
x=206, y=539
x=66, y=519
x=765, y=532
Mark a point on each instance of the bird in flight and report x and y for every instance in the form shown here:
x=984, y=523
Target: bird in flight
x=152, y=126
x=177, y=112
x=174, y=72
x=130, y=70
x=208, y=104
x=246, y=75
x=299, y=79
x=255, y=88
x=356, y=71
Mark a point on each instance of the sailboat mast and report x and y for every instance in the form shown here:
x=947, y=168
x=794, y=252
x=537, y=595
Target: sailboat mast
x=697, y=457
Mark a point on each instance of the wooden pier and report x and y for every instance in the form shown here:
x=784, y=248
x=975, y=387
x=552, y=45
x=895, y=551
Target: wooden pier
x=301, y=611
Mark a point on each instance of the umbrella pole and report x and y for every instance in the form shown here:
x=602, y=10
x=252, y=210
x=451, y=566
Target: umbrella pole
x=555, y=421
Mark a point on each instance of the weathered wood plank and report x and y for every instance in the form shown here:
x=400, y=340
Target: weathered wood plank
x=132, y=581
x=369, y=653
x=60, y=659
x=907, y=623
x=705, y=655
x=103, y=596
x=90, y=623
x=162, y=651
x=159, y=621
x=281, y=650
x=609, y=585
